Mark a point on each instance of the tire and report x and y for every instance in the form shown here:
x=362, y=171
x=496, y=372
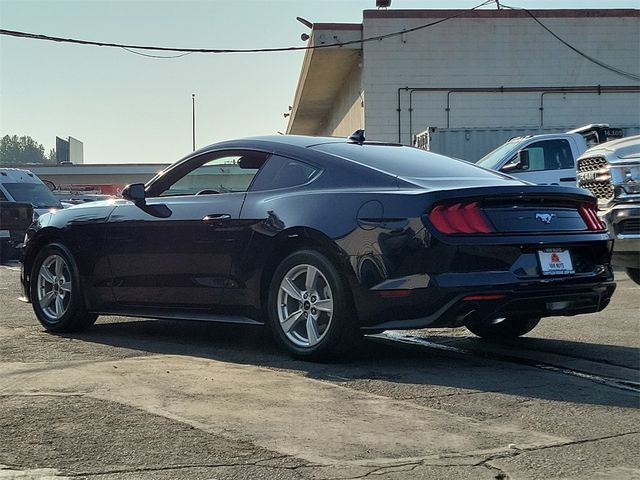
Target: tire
x=509, y=328
x=56, y=294
x=310, y=311
x=634, y=274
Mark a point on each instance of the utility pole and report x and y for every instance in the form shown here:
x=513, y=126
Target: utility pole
x=193, y=122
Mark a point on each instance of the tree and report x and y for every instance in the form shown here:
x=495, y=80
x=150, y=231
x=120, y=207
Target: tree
x=52, y=157
x=21, y=150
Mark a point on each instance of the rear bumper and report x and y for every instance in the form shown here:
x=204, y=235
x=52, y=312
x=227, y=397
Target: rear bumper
x=510, y=283
x=456, y=307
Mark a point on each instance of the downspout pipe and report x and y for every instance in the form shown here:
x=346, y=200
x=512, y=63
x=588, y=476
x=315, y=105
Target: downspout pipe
x=399, y=109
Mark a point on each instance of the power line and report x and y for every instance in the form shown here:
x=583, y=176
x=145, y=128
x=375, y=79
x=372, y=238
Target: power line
x=156, y=56
x=186, y=51
x=37, y=36
x=600, y=63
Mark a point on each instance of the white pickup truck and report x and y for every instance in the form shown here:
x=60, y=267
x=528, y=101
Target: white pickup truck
x=547, y=158
x=612, y=172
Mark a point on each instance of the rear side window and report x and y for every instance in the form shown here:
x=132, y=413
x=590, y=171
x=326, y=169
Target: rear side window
x=282, y=172
x=2, y=197
x=406, y=162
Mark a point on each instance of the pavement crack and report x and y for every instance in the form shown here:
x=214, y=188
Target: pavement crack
x=382, y=470
x=502, y=475
x=499, y=474
x=576, y=442
x=484, y=462
x=257, y=463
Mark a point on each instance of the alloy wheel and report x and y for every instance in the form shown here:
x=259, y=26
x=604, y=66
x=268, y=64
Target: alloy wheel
x=54, y=287
x=305, y=305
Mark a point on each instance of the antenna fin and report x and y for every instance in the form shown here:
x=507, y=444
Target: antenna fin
x=357, y=137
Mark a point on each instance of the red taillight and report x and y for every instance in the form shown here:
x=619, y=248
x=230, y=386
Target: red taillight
x=394, y=293
x=460, y=218
x=590, y=217
x=469, y=298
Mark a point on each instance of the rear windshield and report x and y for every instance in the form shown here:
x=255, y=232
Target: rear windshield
x=37, y=194
x=406, y=162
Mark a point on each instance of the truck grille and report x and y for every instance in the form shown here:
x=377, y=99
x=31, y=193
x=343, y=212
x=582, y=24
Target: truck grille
x=590, y=164
x=593, y=174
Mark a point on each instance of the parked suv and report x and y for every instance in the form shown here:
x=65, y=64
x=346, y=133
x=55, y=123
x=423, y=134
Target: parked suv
x=23, y=197
x=19, y=185
x=612, y=172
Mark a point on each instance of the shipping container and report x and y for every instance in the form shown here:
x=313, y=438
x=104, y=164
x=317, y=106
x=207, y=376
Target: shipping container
x=472, y=144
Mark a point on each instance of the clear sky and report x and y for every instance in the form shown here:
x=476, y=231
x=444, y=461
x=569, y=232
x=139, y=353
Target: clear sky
x=128, y=108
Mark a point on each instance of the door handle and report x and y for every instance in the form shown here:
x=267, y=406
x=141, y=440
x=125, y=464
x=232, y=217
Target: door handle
x=568, y=179
x=216, y=218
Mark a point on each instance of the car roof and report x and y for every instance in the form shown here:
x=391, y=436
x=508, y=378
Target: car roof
x=541, y=136
x=17, y=175
x=292, y=140
x=304, y=141
x=297, y=140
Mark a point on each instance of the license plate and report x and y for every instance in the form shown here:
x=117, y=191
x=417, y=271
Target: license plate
x=555, y=261
x=4, y=234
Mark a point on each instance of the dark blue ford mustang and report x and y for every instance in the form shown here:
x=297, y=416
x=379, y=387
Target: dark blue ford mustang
x=323, y=239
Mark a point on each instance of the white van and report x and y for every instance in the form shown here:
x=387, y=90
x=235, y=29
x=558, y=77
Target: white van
x=18, y=185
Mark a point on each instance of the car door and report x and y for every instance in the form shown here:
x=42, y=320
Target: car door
x=261, y=219
x=176, y=249
x=550, y=162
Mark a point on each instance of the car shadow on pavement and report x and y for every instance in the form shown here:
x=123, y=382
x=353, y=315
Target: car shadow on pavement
x=383, y=361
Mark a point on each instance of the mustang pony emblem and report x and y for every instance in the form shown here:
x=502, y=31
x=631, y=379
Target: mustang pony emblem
x=545, y=217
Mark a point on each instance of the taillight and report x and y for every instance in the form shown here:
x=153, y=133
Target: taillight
x=460, y=218
x=589, y=214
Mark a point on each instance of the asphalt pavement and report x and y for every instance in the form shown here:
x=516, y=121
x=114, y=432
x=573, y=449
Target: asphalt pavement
x=151, y=399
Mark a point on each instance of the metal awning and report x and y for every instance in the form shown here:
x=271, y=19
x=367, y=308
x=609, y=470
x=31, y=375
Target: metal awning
x=323, y=73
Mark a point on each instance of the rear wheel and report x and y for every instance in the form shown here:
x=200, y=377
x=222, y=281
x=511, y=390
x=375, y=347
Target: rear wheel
x=634, y=274
x=503, y=329
x=55, y=291
x=310, y=311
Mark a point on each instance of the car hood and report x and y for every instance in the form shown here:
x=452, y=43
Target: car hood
x=99, y=203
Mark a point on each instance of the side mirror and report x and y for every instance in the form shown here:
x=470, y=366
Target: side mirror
x=134, y=192
x=523, y=160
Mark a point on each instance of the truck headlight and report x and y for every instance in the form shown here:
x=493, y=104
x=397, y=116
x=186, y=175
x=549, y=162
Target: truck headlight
x=626, y=177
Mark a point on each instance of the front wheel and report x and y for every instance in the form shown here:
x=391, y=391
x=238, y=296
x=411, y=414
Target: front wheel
x=503, y=329
x=310, y=311
x=634, y=274
x=55, y=291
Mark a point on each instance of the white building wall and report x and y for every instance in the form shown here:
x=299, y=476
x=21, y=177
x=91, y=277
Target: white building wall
x=494, y=52
x=76, y=148
x=347, y=112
